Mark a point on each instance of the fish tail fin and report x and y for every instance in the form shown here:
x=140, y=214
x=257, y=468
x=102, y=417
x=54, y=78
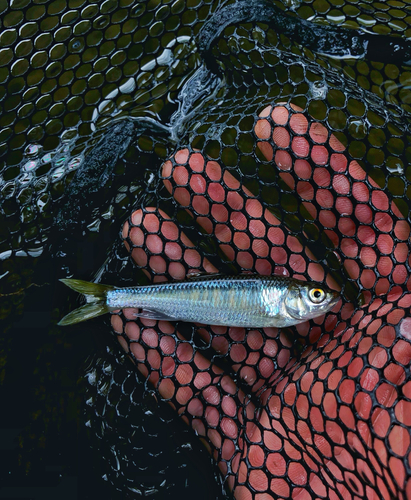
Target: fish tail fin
x=95, y=294
x=84, y=313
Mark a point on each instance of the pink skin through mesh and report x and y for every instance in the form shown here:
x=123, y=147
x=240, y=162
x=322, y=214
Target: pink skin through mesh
x=333, y=422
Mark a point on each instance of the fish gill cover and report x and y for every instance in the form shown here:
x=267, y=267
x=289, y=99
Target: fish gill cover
x=263, y=136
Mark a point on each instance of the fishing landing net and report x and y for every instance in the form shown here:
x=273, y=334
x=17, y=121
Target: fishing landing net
x=264, y=137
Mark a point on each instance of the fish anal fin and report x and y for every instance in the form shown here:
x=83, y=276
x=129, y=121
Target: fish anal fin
x=149, y=314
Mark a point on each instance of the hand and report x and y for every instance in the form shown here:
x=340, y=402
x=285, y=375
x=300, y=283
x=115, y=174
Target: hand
x=334, y=421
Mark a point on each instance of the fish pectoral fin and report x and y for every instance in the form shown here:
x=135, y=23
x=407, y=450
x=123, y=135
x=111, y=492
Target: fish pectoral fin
x=148, y=314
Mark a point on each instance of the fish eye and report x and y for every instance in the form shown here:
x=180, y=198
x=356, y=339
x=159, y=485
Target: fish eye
x=316, y=295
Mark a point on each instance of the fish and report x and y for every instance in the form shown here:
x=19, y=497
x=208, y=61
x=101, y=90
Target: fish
x=248, y=300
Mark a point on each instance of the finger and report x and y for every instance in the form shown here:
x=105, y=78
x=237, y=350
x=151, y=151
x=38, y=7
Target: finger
x=286, y=138
x=247, y=232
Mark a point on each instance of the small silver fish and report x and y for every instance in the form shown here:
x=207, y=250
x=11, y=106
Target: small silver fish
x=249, y=301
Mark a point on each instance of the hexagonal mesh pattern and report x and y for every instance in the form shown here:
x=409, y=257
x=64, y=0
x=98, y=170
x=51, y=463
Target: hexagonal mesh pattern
x=255, y=154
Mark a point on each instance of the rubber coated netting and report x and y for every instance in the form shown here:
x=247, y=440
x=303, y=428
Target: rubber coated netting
x=261, y=136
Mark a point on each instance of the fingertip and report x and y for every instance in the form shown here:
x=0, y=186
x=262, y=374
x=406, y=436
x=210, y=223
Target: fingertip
x=262, y=129
x=136, y=217
x=124, y=231
x=151, y=221
x=181, y=156
x=166, y=169
x=266, y=111
x=280, y=115
x=296, y=108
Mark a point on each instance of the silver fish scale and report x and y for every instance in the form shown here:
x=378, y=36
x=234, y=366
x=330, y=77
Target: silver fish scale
x=231, y=301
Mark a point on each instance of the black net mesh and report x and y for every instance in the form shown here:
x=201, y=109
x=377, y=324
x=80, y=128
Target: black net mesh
x=233, y=137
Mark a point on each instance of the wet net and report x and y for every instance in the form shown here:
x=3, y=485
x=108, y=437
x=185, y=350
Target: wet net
x=265, y=137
